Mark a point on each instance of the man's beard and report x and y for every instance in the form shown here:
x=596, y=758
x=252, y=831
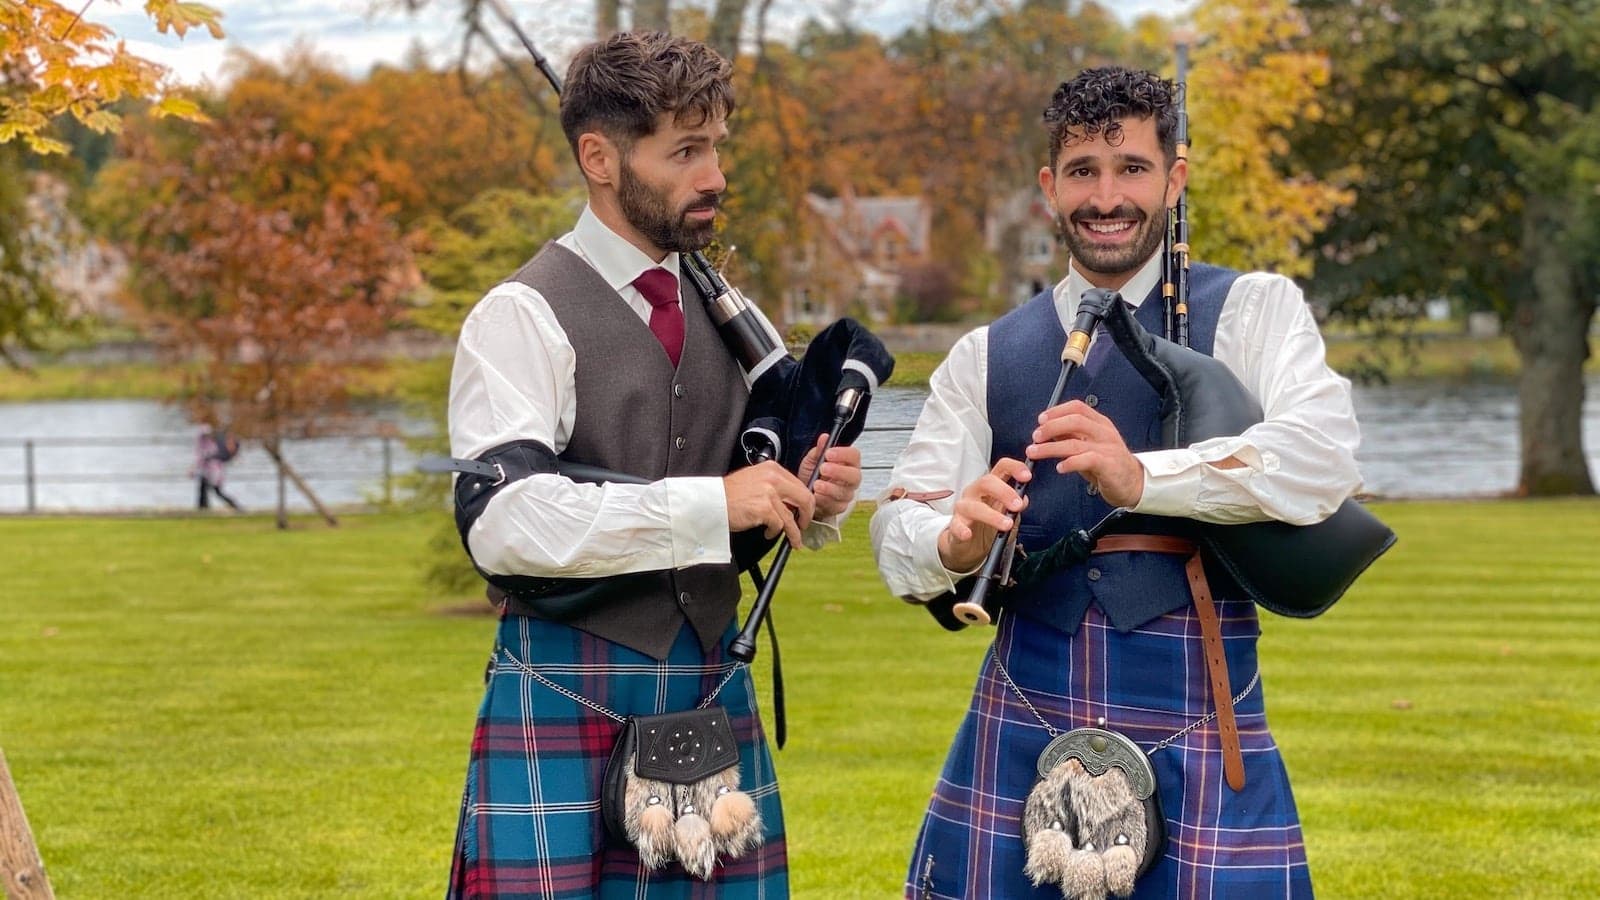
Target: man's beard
x=1092, y=257
x=647, y=209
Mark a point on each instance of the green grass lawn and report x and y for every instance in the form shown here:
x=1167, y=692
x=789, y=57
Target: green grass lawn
x=211, y=708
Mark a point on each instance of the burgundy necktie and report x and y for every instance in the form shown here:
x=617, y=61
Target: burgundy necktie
x=666, y=315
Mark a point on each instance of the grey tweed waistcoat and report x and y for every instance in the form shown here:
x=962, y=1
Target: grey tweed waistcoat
x=636, y=414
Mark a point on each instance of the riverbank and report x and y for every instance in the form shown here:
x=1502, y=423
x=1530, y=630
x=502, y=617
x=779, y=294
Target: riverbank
x=1451, y=358
x=369, y=381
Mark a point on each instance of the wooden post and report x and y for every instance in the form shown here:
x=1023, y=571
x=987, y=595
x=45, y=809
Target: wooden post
x=21, y=869
x=30, y=476
x=284, y=469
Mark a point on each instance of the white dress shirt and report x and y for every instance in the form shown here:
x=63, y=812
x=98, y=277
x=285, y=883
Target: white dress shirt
x=1299, y=462
x=513, y=379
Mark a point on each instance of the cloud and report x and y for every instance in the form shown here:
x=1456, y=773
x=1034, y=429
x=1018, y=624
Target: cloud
x=358, y=38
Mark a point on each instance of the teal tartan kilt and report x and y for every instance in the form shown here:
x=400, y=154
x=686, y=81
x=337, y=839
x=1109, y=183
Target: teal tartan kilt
x=530, y=821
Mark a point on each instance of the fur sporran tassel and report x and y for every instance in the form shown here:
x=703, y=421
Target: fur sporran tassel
x=650, y=820
x=693, y=824
x=692, y=839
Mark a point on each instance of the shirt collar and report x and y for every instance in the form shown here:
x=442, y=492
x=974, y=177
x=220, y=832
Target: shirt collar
x=1134, y=291
x=618, y=261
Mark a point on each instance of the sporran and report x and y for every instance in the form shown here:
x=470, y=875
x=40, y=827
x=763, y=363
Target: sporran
x=671, y=784
x=671, y=789
x=1093, y=822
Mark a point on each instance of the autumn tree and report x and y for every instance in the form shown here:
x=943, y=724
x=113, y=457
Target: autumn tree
x=1254, y=78
x=428, y=140
x=273, y=291
x=53, y=64
x=1471, y=135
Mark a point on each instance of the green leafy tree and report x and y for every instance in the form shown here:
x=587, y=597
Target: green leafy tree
x=29, y=301
x=1471, y=134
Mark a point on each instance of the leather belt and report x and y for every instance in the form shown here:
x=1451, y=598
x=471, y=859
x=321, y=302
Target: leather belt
x=1210, y=634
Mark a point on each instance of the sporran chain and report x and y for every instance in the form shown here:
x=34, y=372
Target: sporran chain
x=1161, y=745
x=576, y=697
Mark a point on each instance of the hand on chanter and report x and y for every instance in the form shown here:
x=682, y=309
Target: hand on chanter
x=768, y=495
x=985, y=508
x=1087, y=442
x=839, y=479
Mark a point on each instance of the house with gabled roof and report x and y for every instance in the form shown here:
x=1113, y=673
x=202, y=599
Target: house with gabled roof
x=853, y=256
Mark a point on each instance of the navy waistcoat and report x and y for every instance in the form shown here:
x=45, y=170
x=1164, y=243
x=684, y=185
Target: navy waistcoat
x=1024, y=362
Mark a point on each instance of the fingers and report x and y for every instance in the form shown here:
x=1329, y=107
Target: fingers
x=809, y=463
x=986, y=507
x=779, y=519
x=768, y=496
x=990, y=500
x=838, y=481
x=792, y=493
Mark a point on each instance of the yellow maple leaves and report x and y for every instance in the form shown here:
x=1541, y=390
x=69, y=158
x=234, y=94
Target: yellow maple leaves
x=54, y=62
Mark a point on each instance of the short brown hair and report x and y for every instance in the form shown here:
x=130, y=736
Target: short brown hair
x=621, y=85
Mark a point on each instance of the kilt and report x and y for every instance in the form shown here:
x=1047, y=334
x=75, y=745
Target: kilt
x=1148, y=684
x=530, y=821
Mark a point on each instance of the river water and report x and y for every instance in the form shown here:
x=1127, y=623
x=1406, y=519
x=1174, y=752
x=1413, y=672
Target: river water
x=1418, y=440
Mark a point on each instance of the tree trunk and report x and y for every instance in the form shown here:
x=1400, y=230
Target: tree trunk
x=1551, y=332
x=285, y=470
x=607, y=18
x=727, y=20
x=652, y=15
x=22, y=874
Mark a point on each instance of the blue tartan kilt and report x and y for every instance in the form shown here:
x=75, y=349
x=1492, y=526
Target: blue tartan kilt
x=1148, y=684
x=530, y=814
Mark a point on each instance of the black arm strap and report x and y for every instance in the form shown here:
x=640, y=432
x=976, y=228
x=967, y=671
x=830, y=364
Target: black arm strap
x=557, y=599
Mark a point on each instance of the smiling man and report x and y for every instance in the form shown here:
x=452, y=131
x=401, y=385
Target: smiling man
x=617, y=599
x=1118, y=642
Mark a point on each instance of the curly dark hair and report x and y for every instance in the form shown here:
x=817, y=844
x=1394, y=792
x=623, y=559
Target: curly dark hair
x=1097, y=100
x=621, y=85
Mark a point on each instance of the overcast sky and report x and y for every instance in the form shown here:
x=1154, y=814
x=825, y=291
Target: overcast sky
x=350, y=32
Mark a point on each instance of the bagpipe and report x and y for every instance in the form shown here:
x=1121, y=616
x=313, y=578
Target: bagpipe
x=1292, y=570
x=792, y=401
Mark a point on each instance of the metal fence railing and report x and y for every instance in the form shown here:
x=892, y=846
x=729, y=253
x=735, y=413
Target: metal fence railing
x=153, y=472
x=145, y=472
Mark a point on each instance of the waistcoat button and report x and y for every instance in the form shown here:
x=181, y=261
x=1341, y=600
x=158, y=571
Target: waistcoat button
x=1094, y=574
x=678, y=391
x=683, y=599
x=680, y=442
x=1092, y=400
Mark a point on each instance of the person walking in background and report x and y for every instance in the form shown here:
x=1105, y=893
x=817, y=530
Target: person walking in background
x=213, y=449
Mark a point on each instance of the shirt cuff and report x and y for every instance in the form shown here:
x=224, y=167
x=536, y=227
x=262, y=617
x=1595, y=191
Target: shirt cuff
x=1171, y=482
x=822, y=532
x=699, y=510
x=925, y=553
x=1173, y=479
